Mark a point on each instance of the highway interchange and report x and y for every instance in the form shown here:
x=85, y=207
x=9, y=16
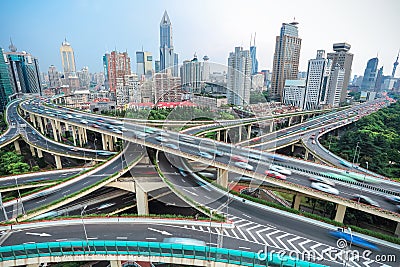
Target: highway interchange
x=193, y=146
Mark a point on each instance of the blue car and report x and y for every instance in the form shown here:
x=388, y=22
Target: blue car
x=353, y=239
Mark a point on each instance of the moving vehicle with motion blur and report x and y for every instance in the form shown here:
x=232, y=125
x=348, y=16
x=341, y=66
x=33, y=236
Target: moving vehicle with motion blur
x=346, y=238
x=324, y=188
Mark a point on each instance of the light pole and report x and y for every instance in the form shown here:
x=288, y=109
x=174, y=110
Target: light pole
x=362, y=185
x=355, y=153
x=19, y=197
x=84, y=227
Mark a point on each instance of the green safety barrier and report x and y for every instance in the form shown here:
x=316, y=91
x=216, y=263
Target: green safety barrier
x=154, y=249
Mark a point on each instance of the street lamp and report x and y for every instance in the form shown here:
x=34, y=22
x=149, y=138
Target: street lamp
x=355, y=153
x=19, y=197
x=84, y=228
x=362, y=185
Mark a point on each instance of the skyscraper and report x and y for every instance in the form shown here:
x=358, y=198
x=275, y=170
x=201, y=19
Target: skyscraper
x=239, y=77
x=5, y=84
x=192, y=74
x=395, y=65
x=168, y=59
x=54, y=77
x=335, y=88
x=144, y=63
x=116, y=65
x=370, y=73
x=24, y=71
x=342, y=57
x=317, y=81
x=286, y=58
x=379, y=80
x=67, y=59
x=253, y=55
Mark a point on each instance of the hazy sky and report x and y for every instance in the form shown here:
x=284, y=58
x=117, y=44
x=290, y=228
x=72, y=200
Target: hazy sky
x=208, y=27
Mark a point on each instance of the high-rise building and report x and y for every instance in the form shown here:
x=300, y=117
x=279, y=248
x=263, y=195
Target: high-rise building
x=342, y=57
x=168, y=59
x=253, y=55
x=167, y=88
x=286, y=58
x=239, y=77
x=132, y=85
x=335, y=88
x=395, y=65
x=24, y=71
x=370, y=73
x=379, y=80
x=6, y=89
x=157, y=66
x=84, y=77
x=116, y=65
x=294, y=92
x=144, y=63
x=206, y=69
x=54, y=77
x=192, y=74
x=67, y=59
x=317, y=81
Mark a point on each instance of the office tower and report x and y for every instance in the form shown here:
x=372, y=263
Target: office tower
x=395, y=65
x=67, y=59
x=379, y=80
x=168, y=59
x=6, y=89
x=192, y=75
x=206, y=69
x=239, y=77
x=116, y=65
x=54, y=77
x=286, y=58
x=144, y=63
x=335, y=88
x=370, y=73
x=253, y=55
x=84, y=77
x=175, y=71
x=342, y=57
x=317, y=81
x=132, y=84
x=294, y=92
x=167, y=88
x=24, y=71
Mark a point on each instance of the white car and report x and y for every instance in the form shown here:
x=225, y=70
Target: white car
x=280, y=169
x=244, y=165
x=205, y=155
x=325, y=188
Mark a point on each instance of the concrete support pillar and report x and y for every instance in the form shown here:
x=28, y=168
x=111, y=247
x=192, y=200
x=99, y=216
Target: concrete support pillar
x=301, y=118
x=248, y=131
x=80, y=136
x=218, y=135
x=340, y=211
x=85, y=139
x=103, y=141
x=32, y=150
x=296, y=201
x=222, y=178
x=39, y=153
x=66, y=127
x=142, y=201
x=39, y=119
x=53, y=126
x=32, y=119
x=73, y=129
x=58, y=162
x=226, y=136
x=17, y=147
x=290, y=121
x=271, y=126
x=240, y=134
x=397, y=231
x=110, y=143
x=306, y=155
x=292, y=148
x=115, y=263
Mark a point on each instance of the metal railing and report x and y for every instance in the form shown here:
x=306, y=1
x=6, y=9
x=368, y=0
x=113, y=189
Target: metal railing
x=103, y=248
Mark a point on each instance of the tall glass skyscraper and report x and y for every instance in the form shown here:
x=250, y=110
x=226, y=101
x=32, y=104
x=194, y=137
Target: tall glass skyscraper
x=286, y=58
x=253, y=55
x=5, y=84
x=370, y=73
x=168, y=59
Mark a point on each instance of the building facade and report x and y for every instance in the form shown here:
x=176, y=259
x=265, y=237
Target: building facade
x=286, y=58
x=370, y=74
x=239, y=77
x=168, y=59
x=336, y=82
x=192, y=75
x=167, y=88
x=317, y=81
x=294, y=92
x=67, y=59
x=54, y=77
x=144, y=64
x=6, y=89
x=116, y=65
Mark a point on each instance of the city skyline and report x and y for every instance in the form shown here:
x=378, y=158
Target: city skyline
x=92, y=31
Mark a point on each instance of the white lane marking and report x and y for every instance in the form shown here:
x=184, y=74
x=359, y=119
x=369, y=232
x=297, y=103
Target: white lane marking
x=93, y=238
x=122, y=237
x=245, y=215
x=40, y=201
x=194, y=194
x=151, y=238
x=159, y=231
x=241, y=232
x=207, y=197
x=245, y=248
x=60, y=240
x=38, y=234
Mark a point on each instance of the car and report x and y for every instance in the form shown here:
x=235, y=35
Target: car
x=84, y=121
x=313, y=142
x=73, y=149
x=216, y=152
x=2, y=139
x=95, y=125
x=321, y=180
x=242, y=179
x=183, y=138
x=350, y=238
x=244, y=165
x=106, y=205
x=205, y=155
x=148, y=130
x=104, y=153
x=392, y=199
x=365, y=200
x=239, y=158
x=275, y=174
x=161, y=139
x=139, y=134
x=280, y=169
x=324, y=188
x=173, y=146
